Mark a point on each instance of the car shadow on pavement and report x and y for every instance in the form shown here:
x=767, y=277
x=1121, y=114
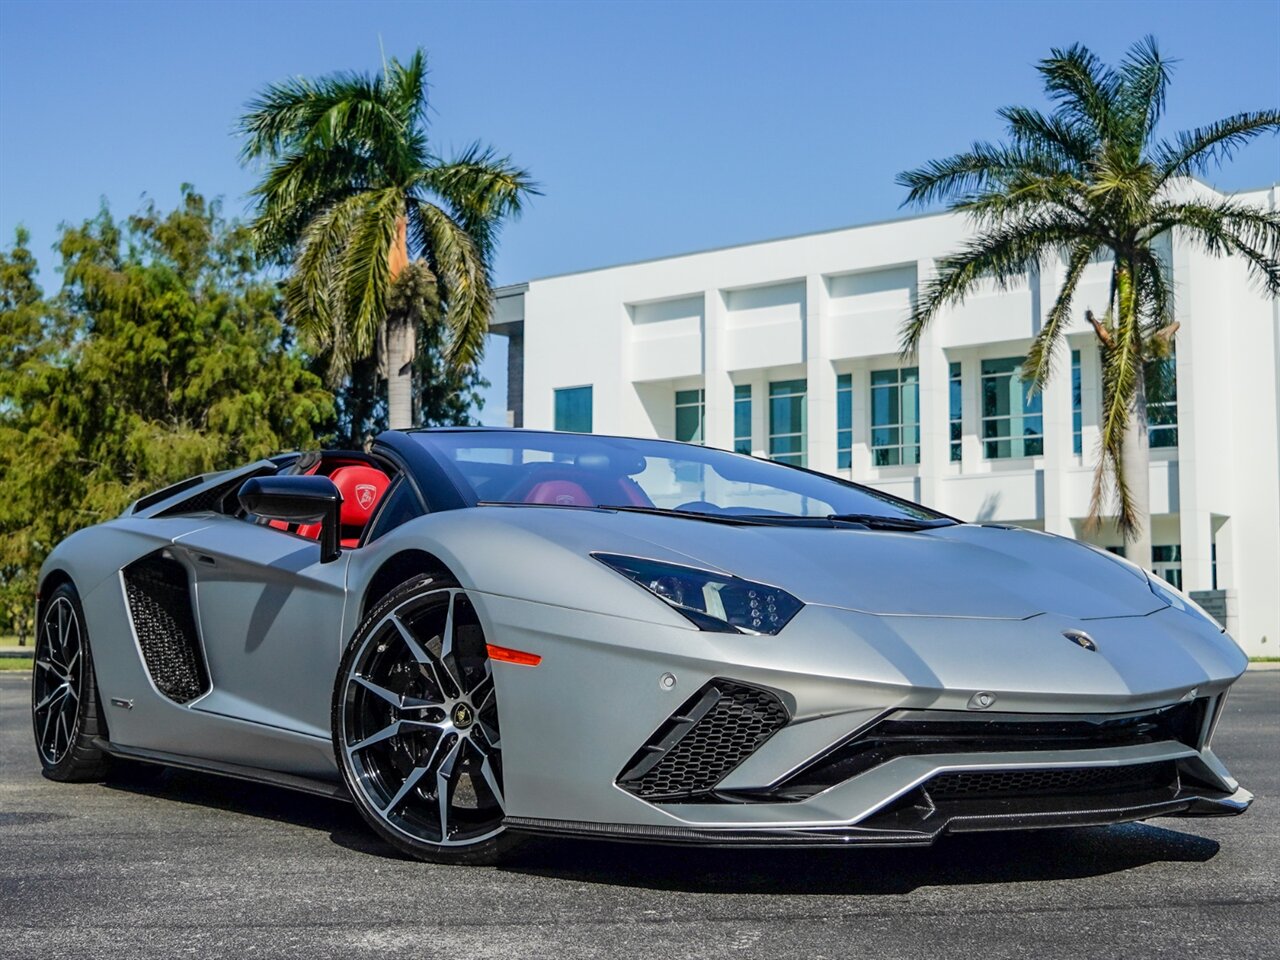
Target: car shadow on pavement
x=953, y=861
x=1012, y=857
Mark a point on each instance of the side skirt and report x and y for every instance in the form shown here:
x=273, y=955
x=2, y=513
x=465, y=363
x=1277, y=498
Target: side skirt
x=319, y=788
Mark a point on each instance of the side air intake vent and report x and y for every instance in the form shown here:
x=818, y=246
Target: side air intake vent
x=159, y=596
x=714, y=731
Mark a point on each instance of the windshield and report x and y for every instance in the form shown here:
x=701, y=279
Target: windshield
x=583, y=470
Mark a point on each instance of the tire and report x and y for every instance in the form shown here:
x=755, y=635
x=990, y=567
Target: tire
x=415, y=723
x=66, y=713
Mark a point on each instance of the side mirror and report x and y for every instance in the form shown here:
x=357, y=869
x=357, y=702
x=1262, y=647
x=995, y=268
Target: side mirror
x=295, y=499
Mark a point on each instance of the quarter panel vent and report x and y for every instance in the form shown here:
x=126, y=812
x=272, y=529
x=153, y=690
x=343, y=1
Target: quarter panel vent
x=712, y=732
x=159, y=594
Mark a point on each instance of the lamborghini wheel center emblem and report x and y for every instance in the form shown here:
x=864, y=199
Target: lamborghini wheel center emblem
x=462, y=716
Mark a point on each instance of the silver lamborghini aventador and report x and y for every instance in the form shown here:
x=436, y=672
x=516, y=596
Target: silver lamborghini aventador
x=480, y=634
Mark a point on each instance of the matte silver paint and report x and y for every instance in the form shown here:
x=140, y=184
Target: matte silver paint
x=932, y=619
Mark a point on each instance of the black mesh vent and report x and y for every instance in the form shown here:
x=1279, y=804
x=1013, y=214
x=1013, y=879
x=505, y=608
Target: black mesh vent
x=986, y=784
x=160, y=605
x=722, y=725
x=215, y=498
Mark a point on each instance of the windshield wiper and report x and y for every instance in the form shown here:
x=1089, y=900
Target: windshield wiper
x=730, y=518
x=880, y=522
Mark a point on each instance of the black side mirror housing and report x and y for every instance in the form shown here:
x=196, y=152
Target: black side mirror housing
x=298, y=499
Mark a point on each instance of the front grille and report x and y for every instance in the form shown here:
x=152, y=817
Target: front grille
x=713, y=732
x=160, y=606
x=993, y=784
x=916, y=732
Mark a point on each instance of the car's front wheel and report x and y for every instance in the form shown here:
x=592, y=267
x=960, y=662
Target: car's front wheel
x=65, y=712
x=415, y=726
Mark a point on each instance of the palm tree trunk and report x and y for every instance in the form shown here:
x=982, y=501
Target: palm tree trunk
x=1135, y=464
x=400, y=350
x=400, y=342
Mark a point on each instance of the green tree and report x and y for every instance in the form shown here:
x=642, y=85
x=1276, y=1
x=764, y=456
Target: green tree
x=352, y=193
x=162, y=356
x=1091, y=179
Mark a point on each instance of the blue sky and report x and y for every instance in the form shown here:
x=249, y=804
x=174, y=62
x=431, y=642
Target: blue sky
x=654, y=128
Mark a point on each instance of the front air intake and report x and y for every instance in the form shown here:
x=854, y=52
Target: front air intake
x=714, y=731
x=159, y=595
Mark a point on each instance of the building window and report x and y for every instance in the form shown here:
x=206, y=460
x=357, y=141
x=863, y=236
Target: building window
x=1012, y=420
x=957, y=411
x=1077, y=406
x=1166, y=562
x=787, y=421
x=690, y=414
x=573, y=409
x=742, y=418
x=1162, y=402
x=895, y=417
x=844, y=421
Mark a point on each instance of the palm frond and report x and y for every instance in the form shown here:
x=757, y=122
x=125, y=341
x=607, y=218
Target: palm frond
x=1001, y=254
x=984, y=166
x=1227, y=226
x=460, y=269
x=301, y=185
x=1082, y=88
x=1201, y=150
x=1038, y=366
x=1072, y=143
x=481, y=189
x=314, y=292
x=1144, y=76
x=366, y=267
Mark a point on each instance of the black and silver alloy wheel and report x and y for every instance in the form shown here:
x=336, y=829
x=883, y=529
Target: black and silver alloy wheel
x=416, y=726
x=64, y=701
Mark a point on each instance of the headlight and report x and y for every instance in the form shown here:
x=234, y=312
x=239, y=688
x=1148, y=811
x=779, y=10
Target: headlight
x=1179, y=600
x=712, y=601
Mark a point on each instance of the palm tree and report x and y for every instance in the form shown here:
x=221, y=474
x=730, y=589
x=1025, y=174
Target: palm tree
x=1090, y=180
x=353, y=195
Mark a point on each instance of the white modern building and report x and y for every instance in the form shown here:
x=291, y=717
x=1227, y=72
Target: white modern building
x=789, y=349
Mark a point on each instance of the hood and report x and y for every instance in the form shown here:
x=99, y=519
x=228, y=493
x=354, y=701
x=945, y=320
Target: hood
x=965, y=570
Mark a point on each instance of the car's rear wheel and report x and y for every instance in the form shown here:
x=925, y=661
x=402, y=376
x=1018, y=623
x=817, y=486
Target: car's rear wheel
x=65, y=712
x=415, y=726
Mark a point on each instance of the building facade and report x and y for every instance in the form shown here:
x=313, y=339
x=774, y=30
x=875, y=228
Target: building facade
x=789, y=349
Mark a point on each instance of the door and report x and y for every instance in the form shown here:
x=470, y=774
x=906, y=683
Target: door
x=270, y=616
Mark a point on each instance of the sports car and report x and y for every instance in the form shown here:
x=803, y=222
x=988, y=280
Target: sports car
x=477, y=635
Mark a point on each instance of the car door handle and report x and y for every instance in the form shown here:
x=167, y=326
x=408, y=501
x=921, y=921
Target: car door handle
x=207, y=560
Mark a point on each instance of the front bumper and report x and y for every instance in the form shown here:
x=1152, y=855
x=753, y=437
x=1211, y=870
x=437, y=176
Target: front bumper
x=573, y=725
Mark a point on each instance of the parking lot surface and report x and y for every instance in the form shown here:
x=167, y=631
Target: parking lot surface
x=187, y=865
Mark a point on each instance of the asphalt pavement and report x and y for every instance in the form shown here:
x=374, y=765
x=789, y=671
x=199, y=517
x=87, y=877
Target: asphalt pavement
x=187, y=865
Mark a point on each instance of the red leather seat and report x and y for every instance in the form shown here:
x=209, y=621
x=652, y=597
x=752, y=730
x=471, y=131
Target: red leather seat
x=362, y=488
x=565, y=493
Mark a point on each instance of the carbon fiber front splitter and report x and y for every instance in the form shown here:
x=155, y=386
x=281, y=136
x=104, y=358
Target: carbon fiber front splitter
x=879, y=831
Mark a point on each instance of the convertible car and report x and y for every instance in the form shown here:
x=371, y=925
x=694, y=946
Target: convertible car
x=480, y=634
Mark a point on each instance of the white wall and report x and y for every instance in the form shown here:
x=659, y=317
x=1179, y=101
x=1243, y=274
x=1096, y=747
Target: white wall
x=819, y=305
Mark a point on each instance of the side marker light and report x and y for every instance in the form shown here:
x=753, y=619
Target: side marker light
x=507, y=655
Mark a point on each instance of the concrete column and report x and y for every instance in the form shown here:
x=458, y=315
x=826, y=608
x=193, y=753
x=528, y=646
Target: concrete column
x=1059, y=456
x=759, y=413
x=935, y=402
x=860, y=457
x=821, y=380
x=1196, y=426
x=970, y=415
x=718, y=426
